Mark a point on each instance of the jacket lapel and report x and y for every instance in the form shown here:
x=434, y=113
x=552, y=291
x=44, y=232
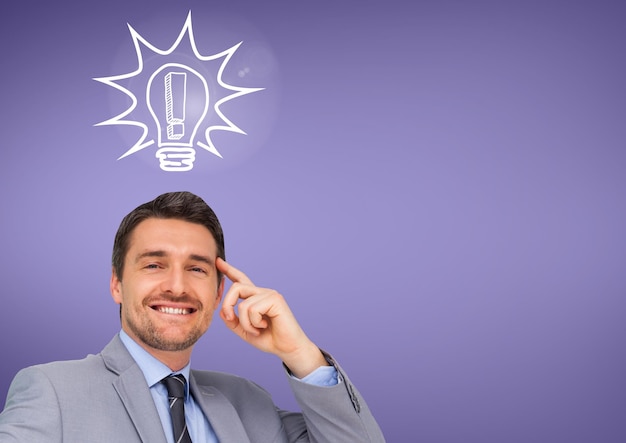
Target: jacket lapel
x=134, y=392
x=220, y=412
x=135, y=395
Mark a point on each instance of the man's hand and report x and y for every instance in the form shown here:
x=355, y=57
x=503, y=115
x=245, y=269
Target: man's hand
x=266, y=322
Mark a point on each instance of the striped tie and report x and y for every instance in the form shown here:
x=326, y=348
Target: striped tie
x=175, y=385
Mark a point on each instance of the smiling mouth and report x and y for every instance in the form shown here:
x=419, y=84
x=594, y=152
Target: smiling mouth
x=173, y=311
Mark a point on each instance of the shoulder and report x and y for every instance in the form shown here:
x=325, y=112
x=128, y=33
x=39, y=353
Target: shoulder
x=43, y=386
x=63, y=369
x=113, y=360
x=56, y=377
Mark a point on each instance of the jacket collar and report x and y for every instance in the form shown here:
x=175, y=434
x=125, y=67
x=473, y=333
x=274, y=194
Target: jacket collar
x=135, y=395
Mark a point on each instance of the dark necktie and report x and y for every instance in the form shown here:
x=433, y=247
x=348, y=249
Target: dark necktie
x=175, y=385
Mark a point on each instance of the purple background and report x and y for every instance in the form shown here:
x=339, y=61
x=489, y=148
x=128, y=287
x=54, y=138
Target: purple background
x=438, y=187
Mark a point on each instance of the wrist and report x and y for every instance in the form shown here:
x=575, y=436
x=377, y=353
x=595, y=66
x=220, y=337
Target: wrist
x=301, y=363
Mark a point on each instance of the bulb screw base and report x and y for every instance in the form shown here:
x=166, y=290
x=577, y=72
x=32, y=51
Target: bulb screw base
x=176, y=159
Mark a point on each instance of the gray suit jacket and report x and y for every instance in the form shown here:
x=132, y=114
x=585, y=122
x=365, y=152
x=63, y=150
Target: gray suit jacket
x=105, y=398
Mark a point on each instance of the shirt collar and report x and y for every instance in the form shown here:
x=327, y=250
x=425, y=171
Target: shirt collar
x=153, y=370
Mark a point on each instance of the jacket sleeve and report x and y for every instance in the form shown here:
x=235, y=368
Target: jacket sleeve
x=31, y=412
x=332, y=414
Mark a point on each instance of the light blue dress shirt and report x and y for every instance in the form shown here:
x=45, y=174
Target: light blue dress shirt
x=200, y=429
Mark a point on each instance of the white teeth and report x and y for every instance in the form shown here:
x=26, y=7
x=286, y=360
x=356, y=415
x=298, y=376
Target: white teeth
x=177, y=311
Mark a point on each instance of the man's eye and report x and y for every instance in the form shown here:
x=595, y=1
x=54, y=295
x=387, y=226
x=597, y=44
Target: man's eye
x=197, y=269
x=152, y=266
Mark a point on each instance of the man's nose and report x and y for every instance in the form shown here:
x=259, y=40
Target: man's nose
x=174, y=282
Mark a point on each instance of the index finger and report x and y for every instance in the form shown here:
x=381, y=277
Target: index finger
x=233, y=274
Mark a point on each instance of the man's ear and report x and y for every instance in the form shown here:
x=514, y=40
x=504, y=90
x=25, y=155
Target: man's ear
x=116, y=287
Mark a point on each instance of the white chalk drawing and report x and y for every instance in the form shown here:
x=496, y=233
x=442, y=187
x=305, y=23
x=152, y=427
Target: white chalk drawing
x=175, y=109
x=177, y=97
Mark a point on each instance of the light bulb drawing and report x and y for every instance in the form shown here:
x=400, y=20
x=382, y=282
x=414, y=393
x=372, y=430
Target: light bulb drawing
x=176, y=111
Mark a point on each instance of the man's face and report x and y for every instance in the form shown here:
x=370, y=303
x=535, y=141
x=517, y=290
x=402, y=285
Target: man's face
x=169, y=289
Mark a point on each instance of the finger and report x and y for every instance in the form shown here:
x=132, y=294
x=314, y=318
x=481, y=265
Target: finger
x=233, y=324
x=240, y=325
x=244, y=319
x=235, y=292
x=252, y=314
x=233, y=274
x=257, y=319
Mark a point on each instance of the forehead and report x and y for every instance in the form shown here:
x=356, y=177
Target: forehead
x=172, y=235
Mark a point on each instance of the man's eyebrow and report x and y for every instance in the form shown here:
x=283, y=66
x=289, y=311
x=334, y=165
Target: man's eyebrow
x=201, y=258
x=159, y=253
x=148, y=254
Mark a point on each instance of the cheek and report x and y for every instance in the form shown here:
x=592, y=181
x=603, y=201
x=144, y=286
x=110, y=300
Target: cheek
x=211, y=303
x=133, y=292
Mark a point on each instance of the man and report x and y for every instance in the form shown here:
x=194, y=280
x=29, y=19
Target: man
x=168, y=278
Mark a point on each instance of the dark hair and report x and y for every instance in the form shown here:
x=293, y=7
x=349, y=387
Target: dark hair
x=172, y=205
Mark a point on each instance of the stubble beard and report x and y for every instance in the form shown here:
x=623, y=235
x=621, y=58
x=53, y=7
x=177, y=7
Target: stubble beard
x=149, y=334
